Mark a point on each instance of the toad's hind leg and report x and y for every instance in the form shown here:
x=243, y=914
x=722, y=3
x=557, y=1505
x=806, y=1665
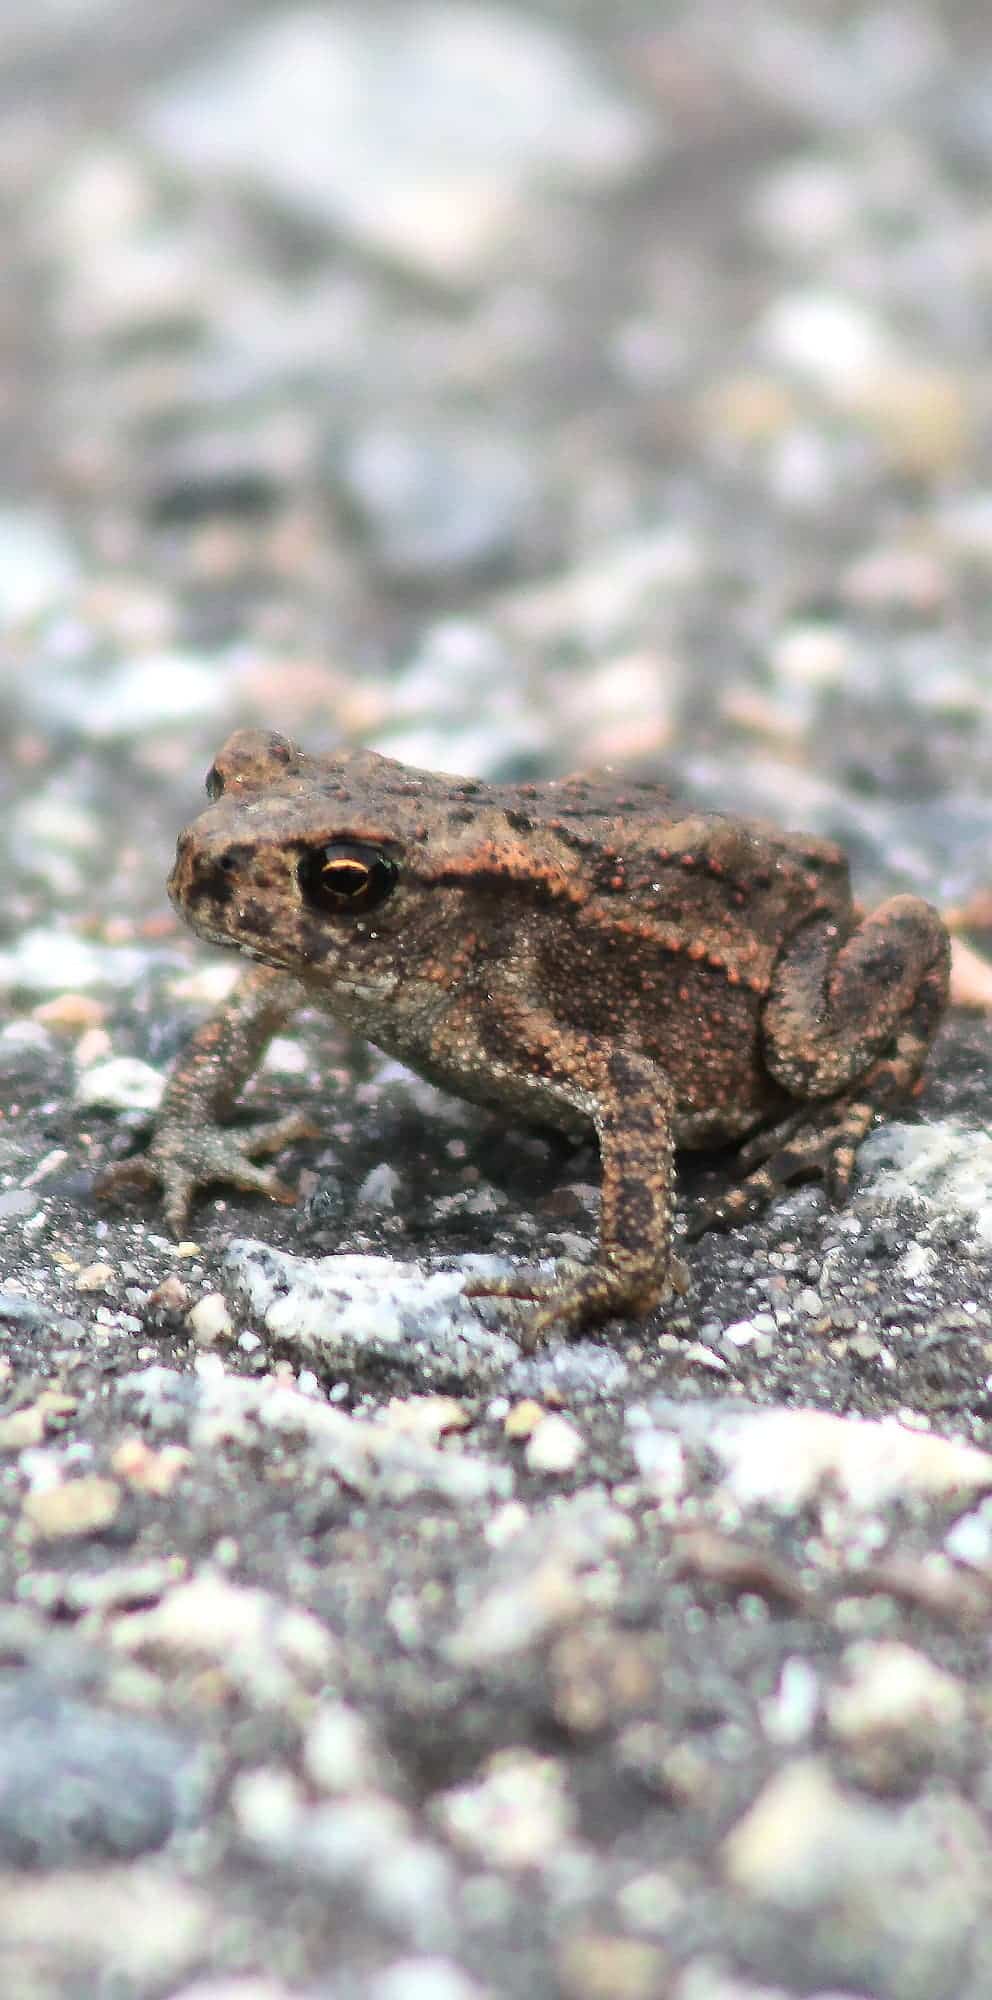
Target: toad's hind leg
x=872, y=1006
x=836, y=1006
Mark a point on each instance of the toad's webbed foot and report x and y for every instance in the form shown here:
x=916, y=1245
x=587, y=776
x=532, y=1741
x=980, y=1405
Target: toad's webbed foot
x=798, y=1150
x=191, y=1147
x=814, y=1142
x=579, y=1297
x=181, y=1160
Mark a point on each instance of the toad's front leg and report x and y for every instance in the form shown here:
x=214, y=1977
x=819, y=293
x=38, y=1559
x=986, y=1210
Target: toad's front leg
x=629, y=1101
x=191, y=1147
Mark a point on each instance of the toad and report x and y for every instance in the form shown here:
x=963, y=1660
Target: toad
x=586, y=953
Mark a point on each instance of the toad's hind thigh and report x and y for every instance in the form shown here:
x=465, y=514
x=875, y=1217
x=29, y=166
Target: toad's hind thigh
x=850, y=1027
x=868, y=1007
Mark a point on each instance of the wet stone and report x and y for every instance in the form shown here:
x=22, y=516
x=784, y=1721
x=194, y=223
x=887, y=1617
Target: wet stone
x=345, y=1306
x=17, y=1204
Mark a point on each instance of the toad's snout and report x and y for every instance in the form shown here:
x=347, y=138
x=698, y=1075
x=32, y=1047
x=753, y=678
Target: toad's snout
x=195, y=872
x=205, y=875
x=180, y=873
x=230, y=889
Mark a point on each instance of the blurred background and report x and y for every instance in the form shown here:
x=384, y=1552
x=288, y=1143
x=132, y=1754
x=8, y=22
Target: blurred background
x=513, y=388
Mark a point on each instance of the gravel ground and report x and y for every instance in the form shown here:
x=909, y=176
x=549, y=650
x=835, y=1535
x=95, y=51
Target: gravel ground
x=512, y=391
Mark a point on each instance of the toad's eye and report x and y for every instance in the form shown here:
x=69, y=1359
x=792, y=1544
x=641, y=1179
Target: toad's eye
x=345, y=877
x=214, y=785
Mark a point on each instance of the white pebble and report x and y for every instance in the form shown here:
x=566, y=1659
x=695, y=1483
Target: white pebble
x=121, y=1084
x=209, y=1319
x=556, y=1446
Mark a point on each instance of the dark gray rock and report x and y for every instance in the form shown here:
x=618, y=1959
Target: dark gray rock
x=445, y=497
x=80, y=1784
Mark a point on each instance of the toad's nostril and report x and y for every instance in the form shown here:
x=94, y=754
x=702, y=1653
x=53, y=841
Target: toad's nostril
x=200, y=878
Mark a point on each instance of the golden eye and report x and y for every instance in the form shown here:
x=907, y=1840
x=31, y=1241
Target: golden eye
x=345, y=876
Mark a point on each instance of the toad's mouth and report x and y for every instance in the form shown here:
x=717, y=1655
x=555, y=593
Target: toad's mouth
x=260, y=957
x=259, y=954
x=212, y=932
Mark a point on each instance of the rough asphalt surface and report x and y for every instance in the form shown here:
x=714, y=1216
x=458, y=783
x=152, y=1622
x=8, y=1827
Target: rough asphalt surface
x=514, y=390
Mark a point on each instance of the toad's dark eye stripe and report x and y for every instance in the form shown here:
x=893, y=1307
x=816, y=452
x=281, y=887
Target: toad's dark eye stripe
x=345, y=877
x=214, y=783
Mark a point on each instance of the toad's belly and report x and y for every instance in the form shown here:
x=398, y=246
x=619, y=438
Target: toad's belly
x=518, y=1096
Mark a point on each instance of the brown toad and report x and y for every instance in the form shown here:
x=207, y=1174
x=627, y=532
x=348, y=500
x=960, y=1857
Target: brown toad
x=585, y=952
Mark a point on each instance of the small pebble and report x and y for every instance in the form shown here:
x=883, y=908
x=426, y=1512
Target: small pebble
x=22, y=1429
x=121, y=1084
x=70, y=1013
x=523, y=1419
x=425, y=1979
x=556, y=1446
x=595, y=1966
x=77, y=1507
x=149, y=1471
x=426, y=1417
x=447, y=498
x=515, y=1815
x=171, y=1296
x=95, y=1278
x=831, y=339
x=339, y=1754
x=17, y=1204
x=379, y=1188
x=740, y=1333
x=894, y=1698
x=210, y=1320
